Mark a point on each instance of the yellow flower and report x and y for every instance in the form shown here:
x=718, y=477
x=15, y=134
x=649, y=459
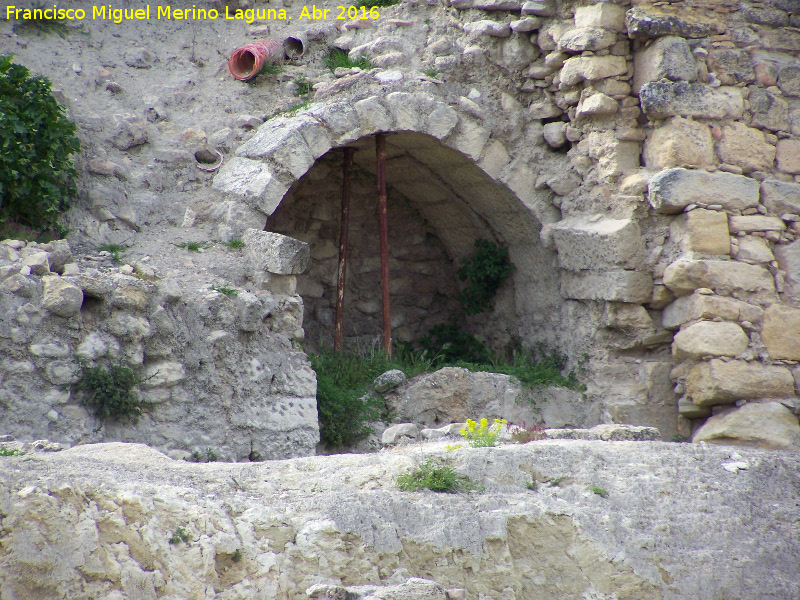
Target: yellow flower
x=484, y=423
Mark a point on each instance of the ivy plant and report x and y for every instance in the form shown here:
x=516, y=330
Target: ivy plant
x=485, y=271
x=37, y=175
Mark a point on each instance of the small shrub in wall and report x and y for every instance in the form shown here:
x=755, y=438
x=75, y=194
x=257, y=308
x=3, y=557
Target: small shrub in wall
x=37, y=176
x=110, y=391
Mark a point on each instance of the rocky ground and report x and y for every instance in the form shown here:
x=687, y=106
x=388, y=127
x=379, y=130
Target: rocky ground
x=557, y=519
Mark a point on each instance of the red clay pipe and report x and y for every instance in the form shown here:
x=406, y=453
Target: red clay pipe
x=380, y=149
x=246, y=62
x=347, y=167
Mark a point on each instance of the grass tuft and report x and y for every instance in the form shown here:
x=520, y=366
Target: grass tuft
x=339, y=58
x=376, y=3
x=193, y=246
x=225, y=289
x=600, y=491
x=437, y=478
x=114, y=249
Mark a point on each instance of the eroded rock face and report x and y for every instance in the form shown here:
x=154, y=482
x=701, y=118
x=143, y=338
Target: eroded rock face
x=282, y=528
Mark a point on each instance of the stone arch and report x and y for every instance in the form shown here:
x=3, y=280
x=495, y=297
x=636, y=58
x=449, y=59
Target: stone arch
x=466, y=182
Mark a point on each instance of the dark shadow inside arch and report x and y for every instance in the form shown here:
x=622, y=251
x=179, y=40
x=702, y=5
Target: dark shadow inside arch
x=439, y=203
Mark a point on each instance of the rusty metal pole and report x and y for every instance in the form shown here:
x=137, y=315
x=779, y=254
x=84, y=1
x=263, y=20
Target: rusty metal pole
x=347, y=167
x=380, y=148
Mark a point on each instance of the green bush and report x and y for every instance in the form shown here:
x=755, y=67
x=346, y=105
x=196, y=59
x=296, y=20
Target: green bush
x=436, y=478
x=343, y=405
x=37, y=176
x=447, y=343
x=485, y=271
x=110, y=391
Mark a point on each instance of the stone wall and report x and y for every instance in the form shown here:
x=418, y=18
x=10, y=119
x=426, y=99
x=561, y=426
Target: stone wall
x=639, y=161
x=186, y=344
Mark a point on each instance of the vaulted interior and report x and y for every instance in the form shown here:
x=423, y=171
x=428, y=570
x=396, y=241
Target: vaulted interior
x=439, y=203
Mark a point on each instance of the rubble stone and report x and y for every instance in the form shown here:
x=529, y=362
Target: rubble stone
x=668, y=57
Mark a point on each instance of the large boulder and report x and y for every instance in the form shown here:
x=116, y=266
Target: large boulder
x=453, y=395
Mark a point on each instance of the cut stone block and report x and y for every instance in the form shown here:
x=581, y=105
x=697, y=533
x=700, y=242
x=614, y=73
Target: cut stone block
x=748, y=223
x=708, y=338
x=765, y=425
x=620, y=286
x=585, y=244
x=781, y=332
x=605, y=15
x=275, y=253
x=644, y=22
x=720, y=382
x=704, y=231
x=674, y=189
x=660, y=100
x=780, y=197
x=746, y=147
x=754, y=250
x=668, y=57
x=591, y=68
x=679, y=143
x=686, y=275
x=705, y=306
x=587, y=38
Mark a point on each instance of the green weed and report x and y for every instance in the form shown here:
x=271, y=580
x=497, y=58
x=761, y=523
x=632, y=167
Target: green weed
x=431, y=72
x=225, y=289
x=179, y=536
x=304, y=86
x=602, y=492
x=237, y=556
x=272, y=68
x=374, y=3
x=10, y=452
x=114, y=249
x=436, y=478
x=343, y=403
x=339, y=58
x=235, y=244
x=193, y=246
x=37, y=174
x=532, y=485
